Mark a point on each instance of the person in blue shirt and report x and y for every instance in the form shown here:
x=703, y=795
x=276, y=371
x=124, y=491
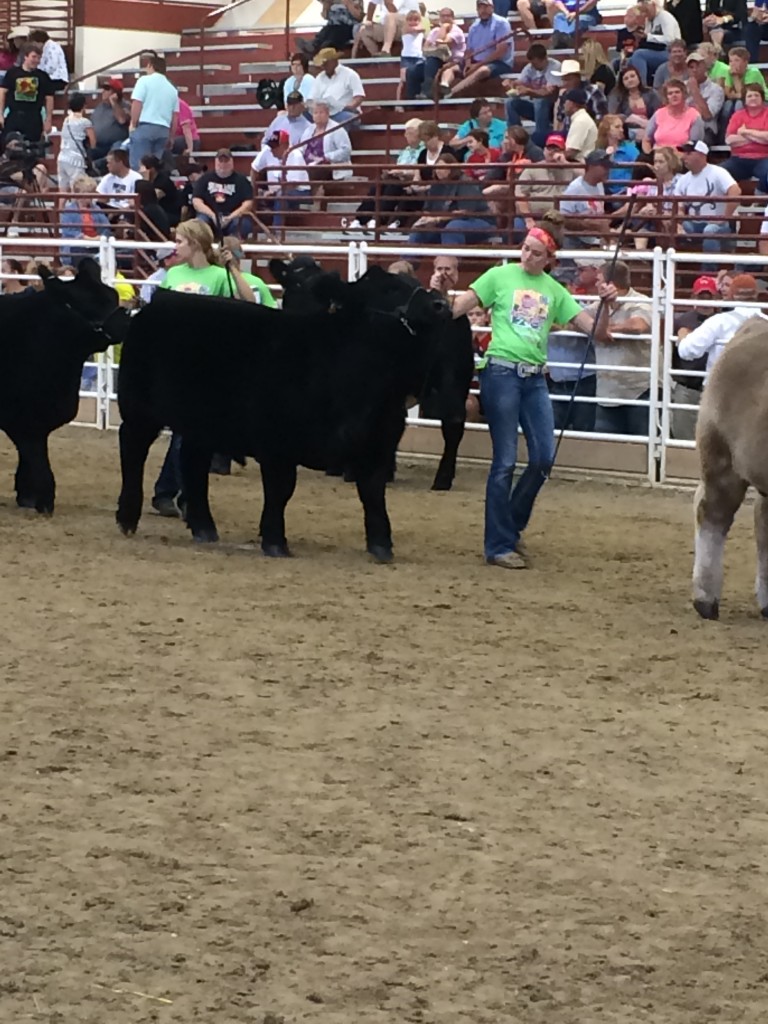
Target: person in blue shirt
x=480, y=116
x=610, y=137
x=490, y=50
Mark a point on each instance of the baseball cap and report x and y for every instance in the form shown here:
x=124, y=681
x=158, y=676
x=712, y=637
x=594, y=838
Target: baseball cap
x=704, y=284
x=162, y=252
x=576, y=96
x=224, y=154
x=278, y=139
x=694, y=56
x=327, y=53
x=558, y=141
x=597, y=156
x=694, y=147
x=294, y=97
x=111, y=83
x=743, y=283
x=568, y=67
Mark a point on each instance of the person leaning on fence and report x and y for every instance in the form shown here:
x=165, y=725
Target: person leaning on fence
x=701, y=187
x=687, y=390
x=632, y=316
x=524, y=301
x=154, y=111
x=490, y=50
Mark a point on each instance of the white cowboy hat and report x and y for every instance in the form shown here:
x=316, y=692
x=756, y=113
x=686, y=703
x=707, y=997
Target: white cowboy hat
x=568, y=67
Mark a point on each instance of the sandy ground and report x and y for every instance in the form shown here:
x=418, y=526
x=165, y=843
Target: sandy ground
x=242, y=790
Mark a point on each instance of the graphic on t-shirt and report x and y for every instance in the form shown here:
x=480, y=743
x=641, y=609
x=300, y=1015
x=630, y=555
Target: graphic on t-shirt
x=529, y=308
x=221, y=191
x=26, y=90
x=193, y=288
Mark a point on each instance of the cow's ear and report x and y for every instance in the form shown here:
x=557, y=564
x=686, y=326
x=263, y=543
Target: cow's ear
x=279, y=270
x=88, y=270
x=331, y=289
x=44, y=273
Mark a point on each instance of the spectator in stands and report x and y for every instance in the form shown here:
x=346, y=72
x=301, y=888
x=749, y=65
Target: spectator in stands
x=119, y=181
x=705, y=95
x=299, y=79
x=571, y=77
x=53, y=60
x=445, y=276
x=725, y=21
x=583, y=203
x=480, y=116
x=628, y=313
x=490, y=50
x=9, y=53
x=659, y=31
x=456, y=212
x=11, y=285
x=444, y=48
x=294, y=120
x=756, y=29
x=153, y=223
x=434, y=148
x=648, y=211
x=286, y=173
x=326, y=148
x=675, y=123
x=747, y=135
x=187, y=140
x=517, y=149
x=393, y=194
x=702, y=186
x=165, y=257
x=687, y=390
x=725, y=283
x=582, y=130
x=596, y=67
x=538, y=187
x=223, y=198
x=342, y=18
x=528, y=10
x=628, y=36
x=26, y=97
x=154, y=111
x=716, y=69
x=687, y=14
x=380, y=37
x=534, y=94
x=77, y=137
x=81, y=218
x=633, y=101
x=674, y=66
x=565, y=15
x=610, y=137
x=713, y=335
x=525, y=302
x=339, y=86
x=110, y=118
x=480, y=153
x=412, y=52
x=517, y=154
x=734, y=81
x=166, y=192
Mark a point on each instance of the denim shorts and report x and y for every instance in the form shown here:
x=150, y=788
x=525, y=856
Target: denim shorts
x=411, y=62
x=497, y=68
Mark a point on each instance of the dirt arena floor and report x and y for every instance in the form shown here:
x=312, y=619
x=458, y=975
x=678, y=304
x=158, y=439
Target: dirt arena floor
x=242, y=790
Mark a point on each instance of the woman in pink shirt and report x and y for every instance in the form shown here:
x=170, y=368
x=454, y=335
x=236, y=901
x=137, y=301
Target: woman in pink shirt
x=747, y=135
x=444, y=48
x=187, y=136
x=675, y=123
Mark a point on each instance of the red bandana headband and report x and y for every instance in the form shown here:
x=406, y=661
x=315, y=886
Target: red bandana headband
x=543, y=236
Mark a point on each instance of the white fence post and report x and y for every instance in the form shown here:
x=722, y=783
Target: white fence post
x=653, y=398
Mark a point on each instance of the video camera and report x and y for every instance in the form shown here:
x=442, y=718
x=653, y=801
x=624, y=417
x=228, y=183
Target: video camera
x=19, y=149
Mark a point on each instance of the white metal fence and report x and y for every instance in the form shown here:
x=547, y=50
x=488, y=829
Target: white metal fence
x=662, y=461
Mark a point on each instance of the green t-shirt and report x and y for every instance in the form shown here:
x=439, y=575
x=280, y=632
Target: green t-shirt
x=750, y=75
x=264, y=296
x=208, y=280
x=523, y=309
x=718, y=70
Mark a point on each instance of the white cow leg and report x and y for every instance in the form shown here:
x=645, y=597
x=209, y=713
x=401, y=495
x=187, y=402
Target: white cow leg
x=761, y=536
x=715, y=505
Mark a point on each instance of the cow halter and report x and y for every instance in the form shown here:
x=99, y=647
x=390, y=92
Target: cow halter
x=101, y=328
x=401, y=312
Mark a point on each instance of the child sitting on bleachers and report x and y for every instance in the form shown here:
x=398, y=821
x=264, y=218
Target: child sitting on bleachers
x=412, y=53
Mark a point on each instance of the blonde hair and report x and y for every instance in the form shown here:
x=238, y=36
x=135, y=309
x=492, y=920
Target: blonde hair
x=83, y=184
x=196, y=232
x=593, y=56
x=674, y=161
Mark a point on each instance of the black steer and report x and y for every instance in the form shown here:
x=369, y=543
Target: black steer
x=444, y=394
x=46, y=338
x=286, y=389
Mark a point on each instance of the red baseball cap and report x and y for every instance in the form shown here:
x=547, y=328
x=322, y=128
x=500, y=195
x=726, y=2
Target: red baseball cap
x=704, y=284
x=555, y=140
x=278, y=139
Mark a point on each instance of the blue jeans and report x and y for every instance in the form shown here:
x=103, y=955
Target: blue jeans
x=623, y=419
x=168, y=483
x=646, y=62
x=708, y=229
x=742, y=167
x=290, y=199
x=754, y=34
x=240, y=226
x=540, y=110
x=420, y=77
x=148, y=139
x=458, y=232
x=507, y=400
x=344, y=115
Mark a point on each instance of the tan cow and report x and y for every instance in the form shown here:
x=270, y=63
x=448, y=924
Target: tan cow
x=732, y=440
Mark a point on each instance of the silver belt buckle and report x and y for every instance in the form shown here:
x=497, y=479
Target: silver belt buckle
x=525, y=370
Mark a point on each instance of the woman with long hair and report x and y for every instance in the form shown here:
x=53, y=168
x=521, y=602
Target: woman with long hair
x=648, y=208
x=633, y=101
x=610, y=137
x=524, y=302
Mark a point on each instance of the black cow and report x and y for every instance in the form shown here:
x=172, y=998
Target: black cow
x=446, y=387
x=287, y=389
x=46, y=338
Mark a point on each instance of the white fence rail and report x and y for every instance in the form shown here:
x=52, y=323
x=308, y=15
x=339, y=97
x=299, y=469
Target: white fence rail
x=666, y=456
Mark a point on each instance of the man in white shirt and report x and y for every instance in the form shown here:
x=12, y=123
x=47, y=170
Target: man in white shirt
x=339, y=86
x=582, y=131
x=583, y=204
x=711, y=337
x=702, y=183
x=661, y=28
x=286, y=174
x=119, y=181
x=379, y=37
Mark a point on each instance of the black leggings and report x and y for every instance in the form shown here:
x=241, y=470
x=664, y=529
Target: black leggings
x=392, y=199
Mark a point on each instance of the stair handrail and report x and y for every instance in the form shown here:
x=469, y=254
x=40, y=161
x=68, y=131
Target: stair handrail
x=106, y=67
x=217, y=13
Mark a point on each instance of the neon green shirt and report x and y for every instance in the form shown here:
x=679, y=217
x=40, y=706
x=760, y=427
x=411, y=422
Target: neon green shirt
x=718, y=70
x=208, y=280
x=264, y=296
x=523, y=309
x=750, y=75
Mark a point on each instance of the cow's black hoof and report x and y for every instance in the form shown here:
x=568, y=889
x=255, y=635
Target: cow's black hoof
x=276, y=550
x=441, y=484
x=380, y=553
x=707, y=609
x=764, y=612
x=44, y=510
x=24, y=502
x=349, y=477
x=206, y=536
x=127, y=529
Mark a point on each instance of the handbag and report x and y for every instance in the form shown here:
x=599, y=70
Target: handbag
x=90, y=170
x=440, y=50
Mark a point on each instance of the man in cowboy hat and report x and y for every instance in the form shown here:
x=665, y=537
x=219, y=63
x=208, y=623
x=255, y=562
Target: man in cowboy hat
x=338, y=86
x=571, y=77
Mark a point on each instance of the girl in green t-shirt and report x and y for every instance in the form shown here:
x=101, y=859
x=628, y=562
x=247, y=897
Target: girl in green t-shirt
x=524, y=302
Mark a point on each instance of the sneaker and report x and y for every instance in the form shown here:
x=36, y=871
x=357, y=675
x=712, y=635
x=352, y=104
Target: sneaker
x=511, y=560
x=354, y=225
x=445, y=90
x=166, y=507
x=392, y=229
x=371, y=225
